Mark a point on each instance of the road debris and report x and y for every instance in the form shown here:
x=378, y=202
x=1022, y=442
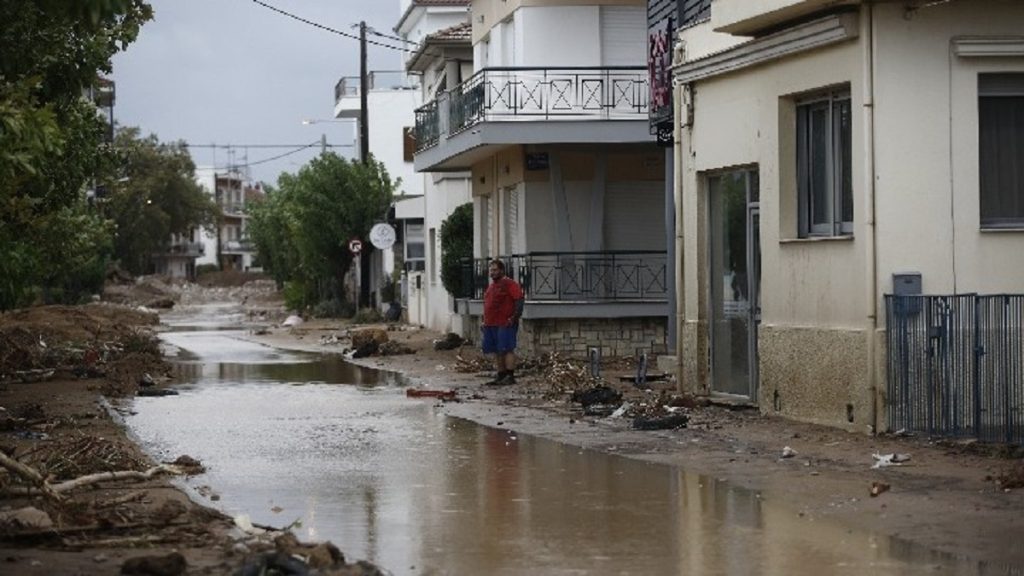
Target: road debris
x=878, y=487
x=669, y=422
x=884, y=460
x=787, y=452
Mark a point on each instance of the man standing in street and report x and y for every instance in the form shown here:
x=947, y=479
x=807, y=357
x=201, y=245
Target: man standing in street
x=503, y=305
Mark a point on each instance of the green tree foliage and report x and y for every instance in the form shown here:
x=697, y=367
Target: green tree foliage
x=303, y=227
x=157, y=197
x=53, y=141
x=456, y=246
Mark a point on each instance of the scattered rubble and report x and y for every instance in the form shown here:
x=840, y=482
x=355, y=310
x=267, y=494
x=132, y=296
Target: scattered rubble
x=450, y=341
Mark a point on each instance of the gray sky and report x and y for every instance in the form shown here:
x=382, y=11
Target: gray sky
x=234, y=72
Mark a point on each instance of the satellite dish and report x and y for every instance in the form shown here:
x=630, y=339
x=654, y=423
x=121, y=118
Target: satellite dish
x=382, y=236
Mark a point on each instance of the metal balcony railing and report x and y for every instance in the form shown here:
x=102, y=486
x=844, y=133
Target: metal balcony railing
x=522, y=93
x=638, y=276
x=187, y=248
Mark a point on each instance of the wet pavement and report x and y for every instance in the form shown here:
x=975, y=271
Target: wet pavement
x=288, y=436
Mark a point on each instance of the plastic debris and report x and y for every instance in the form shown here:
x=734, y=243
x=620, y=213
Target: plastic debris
x=292, y=320
x=788, y=452
x=621, y=410
x=884, y=460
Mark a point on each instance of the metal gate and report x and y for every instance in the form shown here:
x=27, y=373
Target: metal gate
x=956, y=365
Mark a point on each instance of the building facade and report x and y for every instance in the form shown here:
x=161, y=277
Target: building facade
x=228, y=247
x=443, y=58
x=830, y=154
x=567, y=181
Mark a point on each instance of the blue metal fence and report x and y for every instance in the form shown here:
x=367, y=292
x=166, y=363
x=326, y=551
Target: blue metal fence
x=956, y=365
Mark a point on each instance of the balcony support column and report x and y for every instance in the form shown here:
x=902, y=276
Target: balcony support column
x=595, y=230
x=562, y=223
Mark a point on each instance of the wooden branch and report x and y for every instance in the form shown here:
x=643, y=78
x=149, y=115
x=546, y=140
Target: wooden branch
x=54, y=491
x=117, y=475
x=29, y=473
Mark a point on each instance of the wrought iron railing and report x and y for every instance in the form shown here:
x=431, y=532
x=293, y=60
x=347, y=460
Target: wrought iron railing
x=427, y=128
x=520, y=93
x=517, y=92
x=956, y=365
x=577, y=276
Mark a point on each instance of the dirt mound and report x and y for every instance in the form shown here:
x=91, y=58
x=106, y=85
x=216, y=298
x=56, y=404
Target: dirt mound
x=229, y=278
x=84, y=340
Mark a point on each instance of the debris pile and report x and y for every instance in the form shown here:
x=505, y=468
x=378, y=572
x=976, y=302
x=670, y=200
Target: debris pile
x=77, y=342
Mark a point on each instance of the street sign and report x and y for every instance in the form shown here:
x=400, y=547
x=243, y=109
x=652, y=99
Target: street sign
x=355, y=245
x=382, y=236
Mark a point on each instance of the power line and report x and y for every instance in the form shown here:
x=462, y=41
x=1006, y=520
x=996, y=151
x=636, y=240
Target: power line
x=188, y=145
x=390, y=37
x=332, y=30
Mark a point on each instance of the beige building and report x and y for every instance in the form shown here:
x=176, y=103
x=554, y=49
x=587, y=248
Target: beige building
x=824, y=151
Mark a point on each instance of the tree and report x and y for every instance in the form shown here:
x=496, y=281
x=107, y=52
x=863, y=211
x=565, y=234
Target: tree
x=157, y=197
x=305, y=225
x=53, y=143
x=456, y=246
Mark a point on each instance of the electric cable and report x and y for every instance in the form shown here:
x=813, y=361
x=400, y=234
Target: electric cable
x=335, y=30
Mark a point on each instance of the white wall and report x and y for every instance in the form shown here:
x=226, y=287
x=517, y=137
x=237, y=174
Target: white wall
x=389, y=112
x=444, y=194
x=560, y=36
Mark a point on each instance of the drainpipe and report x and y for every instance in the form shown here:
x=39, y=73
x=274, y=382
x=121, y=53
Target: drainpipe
x=867, y=25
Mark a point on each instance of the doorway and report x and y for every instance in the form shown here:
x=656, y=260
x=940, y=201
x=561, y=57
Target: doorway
x=735, y=286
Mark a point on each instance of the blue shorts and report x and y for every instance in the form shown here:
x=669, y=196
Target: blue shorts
x=499, y=339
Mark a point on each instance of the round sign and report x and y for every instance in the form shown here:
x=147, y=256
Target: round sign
x=382, y=236
x=355, y=245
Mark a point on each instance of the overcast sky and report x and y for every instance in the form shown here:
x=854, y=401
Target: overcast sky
x=234, y=72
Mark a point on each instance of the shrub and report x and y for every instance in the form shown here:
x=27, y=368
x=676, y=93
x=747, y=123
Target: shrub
x=367, y=316
x=456, y=246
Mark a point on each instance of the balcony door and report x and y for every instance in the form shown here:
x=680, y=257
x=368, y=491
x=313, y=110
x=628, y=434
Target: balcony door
x=735, y=285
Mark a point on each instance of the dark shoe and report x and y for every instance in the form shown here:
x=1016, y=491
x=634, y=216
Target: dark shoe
x=498, y=381
x=508, y=380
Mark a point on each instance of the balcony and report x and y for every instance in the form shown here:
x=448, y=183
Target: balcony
x=237, y=247
x=579, y=284
x=501, y=106
x=187, y=249
x=233, y=208
x=347, y=101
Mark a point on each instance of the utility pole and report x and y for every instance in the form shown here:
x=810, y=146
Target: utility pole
x=323, y=144
x=364, y=87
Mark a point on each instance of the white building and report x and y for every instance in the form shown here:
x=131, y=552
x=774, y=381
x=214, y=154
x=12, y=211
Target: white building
x=392, y=97
x=228, y=247
x=568, y=183
x=443, y=59
x=830, y=154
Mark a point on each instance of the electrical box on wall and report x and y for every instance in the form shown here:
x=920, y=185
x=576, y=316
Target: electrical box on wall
x=906, y=284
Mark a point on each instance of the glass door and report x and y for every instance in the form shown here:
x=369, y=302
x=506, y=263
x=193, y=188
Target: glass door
x=735, y=263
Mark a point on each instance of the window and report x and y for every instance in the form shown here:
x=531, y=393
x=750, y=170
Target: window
x=824, y=164
x=1001, y=149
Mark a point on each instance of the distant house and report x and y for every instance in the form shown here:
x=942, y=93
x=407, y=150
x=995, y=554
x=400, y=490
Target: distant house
x=833, y=153
x=228, y=247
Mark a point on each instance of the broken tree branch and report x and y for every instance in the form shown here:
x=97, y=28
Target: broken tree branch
x=31, y=474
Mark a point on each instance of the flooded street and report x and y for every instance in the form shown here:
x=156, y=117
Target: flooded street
x=288, y=436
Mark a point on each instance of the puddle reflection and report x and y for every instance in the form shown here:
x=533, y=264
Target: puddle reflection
x=392, y=480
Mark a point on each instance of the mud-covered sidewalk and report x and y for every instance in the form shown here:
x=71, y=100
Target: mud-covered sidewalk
x=958, y=498
x=77, y=494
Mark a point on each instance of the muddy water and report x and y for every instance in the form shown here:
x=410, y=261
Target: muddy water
x=294, y=437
